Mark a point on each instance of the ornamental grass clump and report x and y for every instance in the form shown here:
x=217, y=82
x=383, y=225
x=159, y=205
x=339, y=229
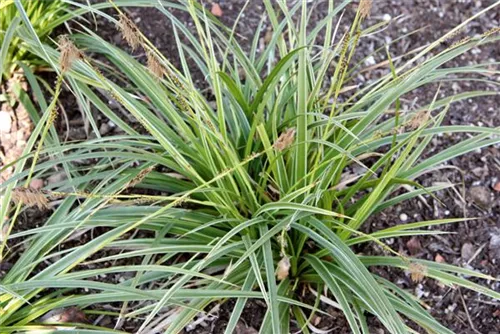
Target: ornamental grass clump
x=44, y=17
x=245, y=192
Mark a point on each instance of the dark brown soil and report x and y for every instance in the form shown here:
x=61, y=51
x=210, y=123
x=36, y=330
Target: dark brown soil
x=475, y=244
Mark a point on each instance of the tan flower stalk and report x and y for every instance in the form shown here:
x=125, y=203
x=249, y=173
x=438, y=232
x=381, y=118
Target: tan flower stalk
x=365, y=7
x=30, y=197
x=129, y=31
x=285, y=140
x=140, y=177
x=283, y=268
x=69, y=53
x=417, y=272
x=419, y=119
x=154, y=65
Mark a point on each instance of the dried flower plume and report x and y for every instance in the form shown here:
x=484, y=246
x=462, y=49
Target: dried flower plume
x=69, y=53
x=419, y=119
x=154, y=65
x=365, y=7
x=417, y=272
x=129, y=31
x=30, y=197
x=140, y=177
x=283, y=268
x=285, y=140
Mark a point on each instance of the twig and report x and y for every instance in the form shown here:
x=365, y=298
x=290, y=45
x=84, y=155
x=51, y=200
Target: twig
x=467, y=312
x=479, y=250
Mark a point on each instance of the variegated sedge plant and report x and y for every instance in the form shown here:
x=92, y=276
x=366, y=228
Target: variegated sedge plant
x=252, y=200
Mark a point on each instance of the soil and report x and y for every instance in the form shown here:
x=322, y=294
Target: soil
x=474, y=244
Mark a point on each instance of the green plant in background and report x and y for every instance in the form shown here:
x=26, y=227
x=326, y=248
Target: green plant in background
x=253, y=195
x=43, y=16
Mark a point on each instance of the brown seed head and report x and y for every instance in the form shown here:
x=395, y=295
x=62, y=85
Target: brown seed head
x=30, y=197
x=154, y=65
x=419, y=119
x=129, y=31
x=283, y=268
x=365, y=7
x=140, y=177
x=285, y=140
x=69, y=53
x=417, y=272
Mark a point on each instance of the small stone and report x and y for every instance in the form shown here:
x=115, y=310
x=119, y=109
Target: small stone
x=386, y=17
x=496, y=187
x=403, y=217
x=494, y=245
x=370, y=61
x=439, y=259
x=58, y=177
x=77, y=133
x=414, y=246
x=467, y=251
x=242, y=329
x=316, y=320
x=216, y=10
x=3, y=231
x=36, y=184
x=481, y=196
x=104, y=129
x=5, y=122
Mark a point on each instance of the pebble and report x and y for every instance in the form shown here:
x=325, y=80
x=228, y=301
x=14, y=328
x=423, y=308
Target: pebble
x=104, y=129
x=494, y=245
x=242, y=329
x=496, y=187
x=481, y=196
x=369, y=61
x=439, y=259
x=386, y=17
x=403, y=217
x=3, y=231
x=467, y=251
x=5, y=122
x=56, y=178
x=77, y=133
x=216, y=10
x=36, y=184
x=420, y=292
x=414, y=246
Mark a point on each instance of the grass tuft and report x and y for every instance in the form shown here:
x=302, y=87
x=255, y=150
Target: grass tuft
x=258, y=185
